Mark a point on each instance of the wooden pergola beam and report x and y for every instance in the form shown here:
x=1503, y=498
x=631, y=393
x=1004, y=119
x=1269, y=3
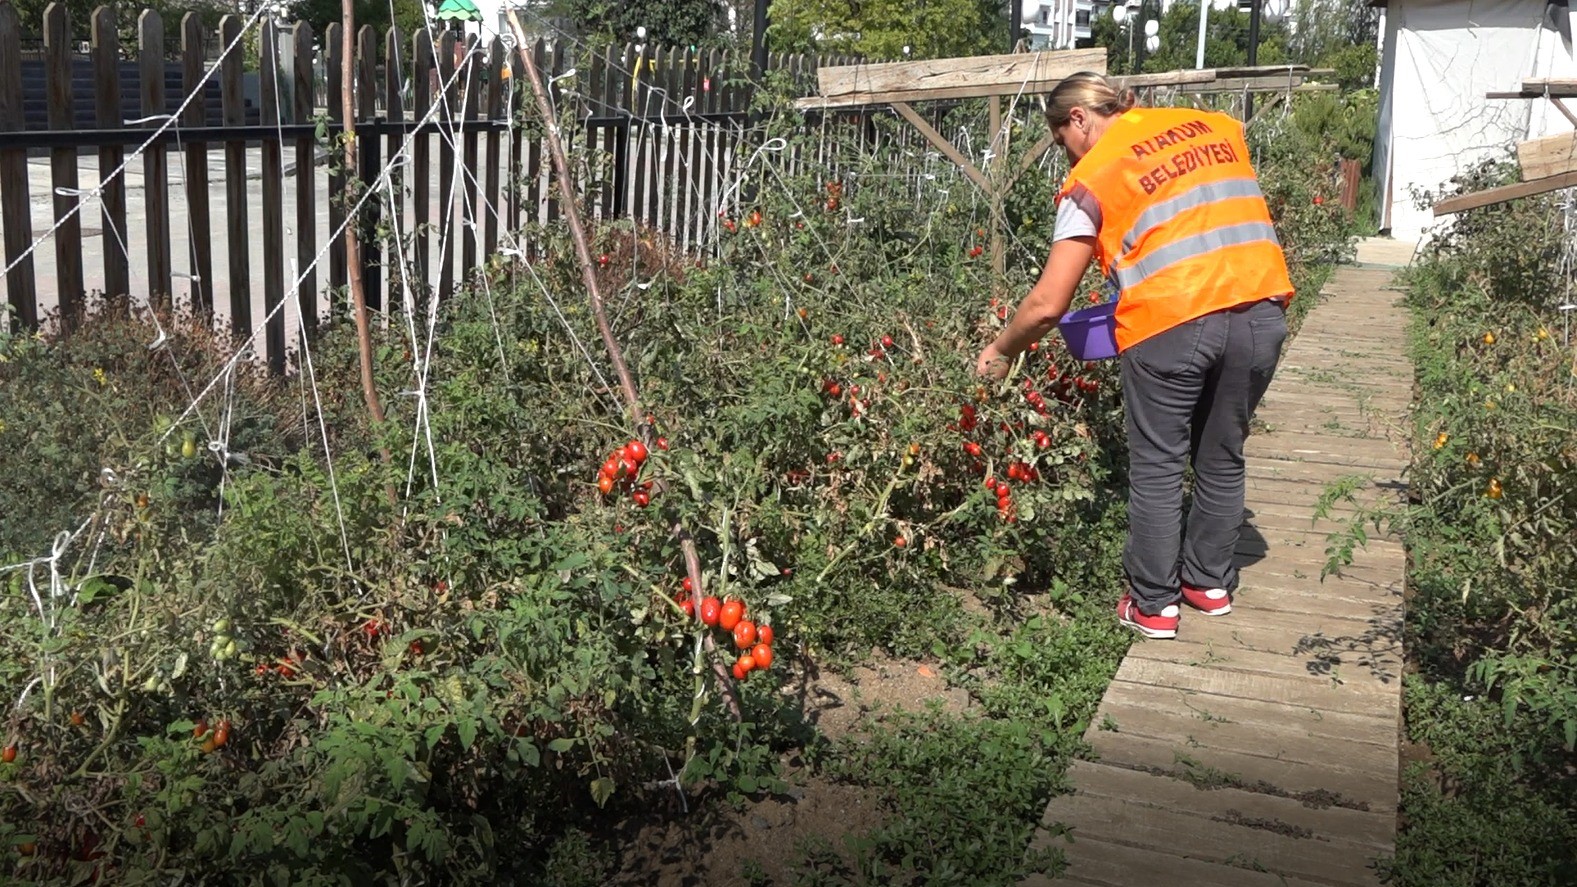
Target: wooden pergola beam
x=851, y=86
x=1549, y=156
x=1491, y=196
x=943, y=145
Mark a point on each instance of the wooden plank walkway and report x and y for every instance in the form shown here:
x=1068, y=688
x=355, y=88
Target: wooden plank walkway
x=1260, y=748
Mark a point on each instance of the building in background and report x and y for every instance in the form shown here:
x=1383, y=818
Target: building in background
x=1438, y=60
x=1061, y=24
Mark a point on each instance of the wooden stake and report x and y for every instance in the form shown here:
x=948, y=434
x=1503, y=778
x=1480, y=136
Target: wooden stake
x=369, y=388
x=588, y=271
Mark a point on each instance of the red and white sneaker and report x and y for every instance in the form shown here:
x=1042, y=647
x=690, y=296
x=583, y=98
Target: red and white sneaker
x=1161, y=626
x=1209, y=601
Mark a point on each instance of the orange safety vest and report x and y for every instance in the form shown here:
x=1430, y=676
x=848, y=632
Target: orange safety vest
x=1185, y=230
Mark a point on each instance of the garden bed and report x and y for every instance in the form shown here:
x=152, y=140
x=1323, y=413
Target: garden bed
x=463, y=662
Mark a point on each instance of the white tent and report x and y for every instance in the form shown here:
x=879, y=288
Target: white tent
x=1438, y=59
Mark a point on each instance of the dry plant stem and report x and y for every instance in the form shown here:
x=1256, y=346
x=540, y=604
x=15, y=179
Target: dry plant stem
x=352, y=244
x=577, y=231
x=692, y=560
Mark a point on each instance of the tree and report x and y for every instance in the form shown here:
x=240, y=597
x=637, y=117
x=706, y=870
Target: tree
x=79, y=15
x=667, y=22
x=408, y=15
x=880, y=29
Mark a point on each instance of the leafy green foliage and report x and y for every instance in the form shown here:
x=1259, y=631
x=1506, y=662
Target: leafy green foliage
x=459, y=665
x=667, y=22
x=883, y=28
x=1491, y=623
x=380, y=15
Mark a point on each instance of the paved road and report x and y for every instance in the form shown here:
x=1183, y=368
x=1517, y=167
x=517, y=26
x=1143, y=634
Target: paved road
x=96, y=239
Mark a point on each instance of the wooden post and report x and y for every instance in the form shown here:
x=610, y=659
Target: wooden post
x=106, y=95
x=240, y=232
x=334, y=73
x=200, y=248
x=394, y=112
x=495, y=107
x=421, y=165
x=306, y=184
x=273, y=174
x=995, y=144
x=368, y=167
x=155, y=159
x=471, y=108
x=63, y=167
x=446, y=163
x=558, y=65
x=14, y=198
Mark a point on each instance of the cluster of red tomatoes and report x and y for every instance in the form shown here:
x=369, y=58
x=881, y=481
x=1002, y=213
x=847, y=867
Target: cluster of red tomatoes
x=1017, y=470
x=753, y=641
x=211, y=740
x=286, y=667
x=622, y=468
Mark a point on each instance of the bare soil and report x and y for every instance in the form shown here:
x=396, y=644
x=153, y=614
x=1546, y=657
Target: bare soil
x=717, y=846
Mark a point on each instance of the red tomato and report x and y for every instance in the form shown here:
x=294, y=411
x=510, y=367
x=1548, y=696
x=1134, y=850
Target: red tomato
x=746, y=663
x=688, y=584
x=605, y=484
x=610, y=468
x=642, y=498
x=887, y=341
x=729, y=616
x=662, y=443
x=900, y=542
x=1004, y=490
x=711, y=610
x=221, y=733
x=745, y=634
x=837, y=339
x=635, y=451
x=764, y=634
x=972, y=448
x=200, y=728
x=687, y=605
x=739, y=672
x=8, y=755
x=762, y=656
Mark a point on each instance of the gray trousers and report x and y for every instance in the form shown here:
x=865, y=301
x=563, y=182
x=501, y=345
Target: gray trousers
x=1189, y=394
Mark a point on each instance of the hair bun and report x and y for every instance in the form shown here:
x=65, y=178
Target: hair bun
x=1126, y=99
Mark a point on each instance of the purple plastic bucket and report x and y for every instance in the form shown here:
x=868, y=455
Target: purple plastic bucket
x=1091, y=333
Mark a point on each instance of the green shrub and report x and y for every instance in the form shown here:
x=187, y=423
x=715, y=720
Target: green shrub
x=1491, y=621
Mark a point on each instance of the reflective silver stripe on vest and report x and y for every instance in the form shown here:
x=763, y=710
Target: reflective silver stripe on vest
x=1197, y=245
x=1196, y=196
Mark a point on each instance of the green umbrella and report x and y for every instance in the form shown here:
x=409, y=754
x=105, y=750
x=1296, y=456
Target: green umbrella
x=459, y=11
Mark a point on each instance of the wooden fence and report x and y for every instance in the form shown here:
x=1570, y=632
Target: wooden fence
x=217, y=185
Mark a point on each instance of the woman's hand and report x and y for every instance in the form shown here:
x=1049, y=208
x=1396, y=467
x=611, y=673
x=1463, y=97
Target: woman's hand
x=993, y=364
x=1047, y=301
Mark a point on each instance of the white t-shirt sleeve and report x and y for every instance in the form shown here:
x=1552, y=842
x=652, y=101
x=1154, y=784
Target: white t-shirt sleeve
x=1078, y=215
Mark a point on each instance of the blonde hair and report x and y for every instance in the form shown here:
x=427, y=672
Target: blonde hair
x=1090, y=91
